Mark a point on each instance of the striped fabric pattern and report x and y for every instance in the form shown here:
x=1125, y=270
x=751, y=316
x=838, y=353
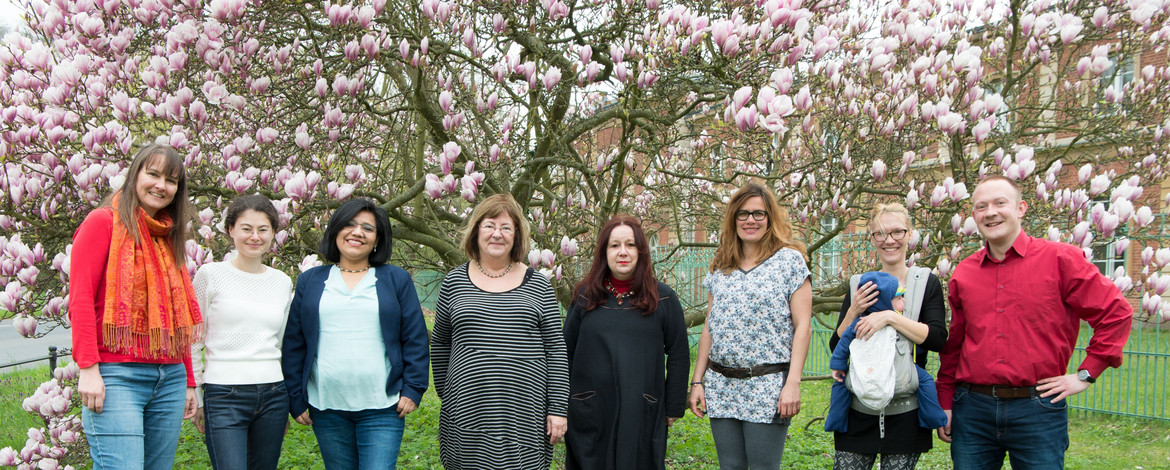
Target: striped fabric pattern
x=500, y=369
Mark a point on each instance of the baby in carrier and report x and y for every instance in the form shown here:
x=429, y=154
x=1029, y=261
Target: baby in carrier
x=930, y=413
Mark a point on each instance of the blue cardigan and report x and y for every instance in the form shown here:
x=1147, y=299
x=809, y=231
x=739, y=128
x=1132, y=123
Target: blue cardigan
x=403, y=330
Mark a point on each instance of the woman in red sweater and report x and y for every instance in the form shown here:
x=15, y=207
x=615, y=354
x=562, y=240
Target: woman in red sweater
x=134, y=316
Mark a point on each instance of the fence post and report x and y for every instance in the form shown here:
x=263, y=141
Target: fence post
x=52, y=360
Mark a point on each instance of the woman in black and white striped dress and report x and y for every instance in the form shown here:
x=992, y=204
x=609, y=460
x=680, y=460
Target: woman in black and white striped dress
x=499, y=358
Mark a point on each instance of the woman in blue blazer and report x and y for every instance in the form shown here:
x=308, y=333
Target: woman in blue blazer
x=355, y=353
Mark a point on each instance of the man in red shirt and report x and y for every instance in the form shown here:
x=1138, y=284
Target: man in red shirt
x=1016, y=309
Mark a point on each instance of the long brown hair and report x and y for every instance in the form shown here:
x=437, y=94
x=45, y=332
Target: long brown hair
x=778, y=235
x=591, y=290
x=180, y=208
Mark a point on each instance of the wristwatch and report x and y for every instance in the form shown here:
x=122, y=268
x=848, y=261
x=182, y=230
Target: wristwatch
x=1084, y=376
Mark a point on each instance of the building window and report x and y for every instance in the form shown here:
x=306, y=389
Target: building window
x=1003, y=122
x=1105, y=256
x=828, y=263
x=1107, y=259
x=1111, y=85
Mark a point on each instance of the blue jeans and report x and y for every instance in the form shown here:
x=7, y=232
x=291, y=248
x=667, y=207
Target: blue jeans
x=141, y=416
x=361, y=440
x=245, y=424
x=1032, y=431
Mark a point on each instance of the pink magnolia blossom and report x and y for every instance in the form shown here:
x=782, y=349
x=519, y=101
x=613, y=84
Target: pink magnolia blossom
x=1098, y=185
x=1151, y=304
x=433, y=188
x=309, y=262
x=745, y=118
x=296, y=187
x=1080, y=232
x=1143, y=217
x=878, y=170
x=944, y=267
x=1162, y=257
x=551, y=77
x=1119, y=247
x=24, y=325
x=1084, y=173
x=227, y=11
x=1123, y=283
x=568, y=246
x=938, y=196
x=951, y=123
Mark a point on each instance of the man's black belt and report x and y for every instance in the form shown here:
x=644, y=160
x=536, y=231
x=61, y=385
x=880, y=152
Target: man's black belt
x=1002, y=391
x=747, y=372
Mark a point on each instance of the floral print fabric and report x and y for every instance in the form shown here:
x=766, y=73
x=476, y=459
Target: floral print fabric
x=751, y=324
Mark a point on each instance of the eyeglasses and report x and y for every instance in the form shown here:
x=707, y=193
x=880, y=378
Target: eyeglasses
x=757, y=215
x=504, y=230
x=353, y=224
x=882, y=236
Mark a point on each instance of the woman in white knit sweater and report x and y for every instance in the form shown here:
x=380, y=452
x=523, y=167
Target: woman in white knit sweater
x=243, y=410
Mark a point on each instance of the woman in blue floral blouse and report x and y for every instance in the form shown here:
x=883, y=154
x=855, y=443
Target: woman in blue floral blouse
x=757, y=330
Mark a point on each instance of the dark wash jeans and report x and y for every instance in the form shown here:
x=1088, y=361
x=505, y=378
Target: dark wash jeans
x=1032, y=431
x=245, y=424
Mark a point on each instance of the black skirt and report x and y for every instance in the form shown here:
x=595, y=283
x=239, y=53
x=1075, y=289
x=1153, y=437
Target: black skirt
x=903, y=435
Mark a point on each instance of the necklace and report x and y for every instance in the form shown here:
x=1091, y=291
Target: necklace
x=367, y=268
x=612, y=290
x=497, y=276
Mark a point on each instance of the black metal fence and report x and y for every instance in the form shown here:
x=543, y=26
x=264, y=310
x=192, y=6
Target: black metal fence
x=52, y=358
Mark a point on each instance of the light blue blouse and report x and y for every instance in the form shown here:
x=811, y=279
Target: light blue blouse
x=352, y=368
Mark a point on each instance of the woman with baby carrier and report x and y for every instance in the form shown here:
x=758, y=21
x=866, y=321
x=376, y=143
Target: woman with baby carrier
x=894, y=432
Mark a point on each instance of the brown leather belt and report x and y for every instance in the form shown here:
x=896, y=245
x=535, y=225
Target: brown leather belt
x=1002, y=391
x=747, y=372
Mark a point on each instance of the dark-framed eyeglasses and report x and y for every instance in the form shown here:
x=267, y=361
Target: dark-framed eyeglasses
x=895, y=234
x=757, y=215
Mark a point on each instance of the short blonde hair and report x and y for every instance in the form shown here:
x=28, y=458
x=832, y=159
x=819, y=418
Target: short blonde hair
x=892, y=208
x=492, y=207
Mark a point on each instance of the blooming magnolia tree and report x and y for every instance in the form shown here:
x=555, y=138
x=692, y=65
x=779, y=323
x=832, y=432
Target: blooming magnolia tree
x=583, y=109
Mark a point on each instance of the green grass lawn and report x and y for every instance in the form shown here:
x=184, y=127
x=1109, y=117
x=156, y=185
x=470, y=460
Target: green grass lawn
x=1097, y=441
x=14, y=388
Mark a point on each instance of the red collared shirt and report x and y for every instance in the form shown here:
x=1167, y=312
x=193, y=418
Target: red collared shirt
x=1015, y=321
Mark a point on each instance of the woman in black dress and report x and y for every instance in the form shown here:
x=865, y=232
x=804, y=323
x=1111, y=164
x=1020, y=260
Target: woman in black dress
x=628, y=357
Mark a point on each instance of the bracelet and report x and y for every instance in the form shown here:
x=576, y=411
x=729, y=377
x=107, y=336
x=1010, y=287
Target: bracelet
x=697, y=383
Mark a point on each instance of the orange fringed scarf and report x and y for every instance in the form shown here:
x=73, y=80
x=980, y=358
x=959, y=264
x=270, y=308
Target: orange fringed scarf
x=150, y=308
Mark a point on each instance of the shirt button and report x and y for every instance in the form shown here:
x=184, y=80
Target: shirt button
x=1001, y=361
